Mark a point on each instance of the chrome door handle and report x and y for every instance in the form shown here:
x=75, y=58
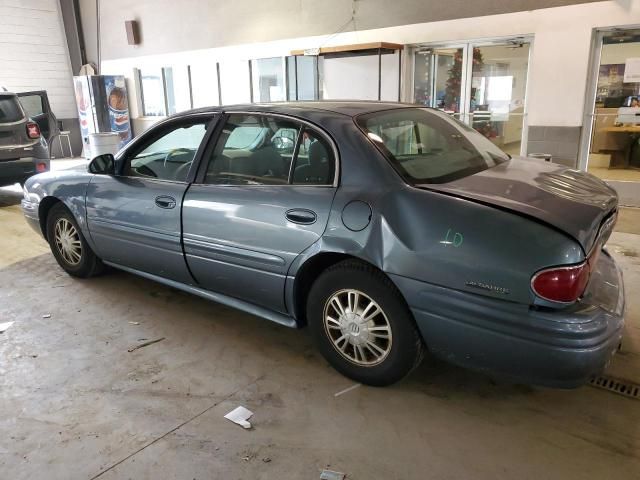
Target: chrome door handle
x=301, y=216
x=165, y=201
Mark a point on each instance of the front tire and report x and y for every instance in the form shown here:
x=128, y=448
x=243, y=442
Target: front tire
x=362, y=325
x=69, y=246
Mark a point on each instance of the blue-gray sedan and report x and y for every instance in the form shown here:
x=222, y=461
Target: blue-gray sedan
x=390, y=230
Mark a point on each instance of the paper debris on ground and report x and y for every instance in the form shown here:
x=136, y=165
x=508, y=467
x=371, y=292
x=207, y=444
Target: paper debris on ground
x=46, y=315
x=240, y=415
x=331, y=475
x=4, y=326
x=134, y=323
x=145, y=344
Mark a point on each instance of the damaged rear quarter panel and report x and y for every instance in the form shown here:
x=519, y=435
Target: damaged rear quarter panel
x=447, y=241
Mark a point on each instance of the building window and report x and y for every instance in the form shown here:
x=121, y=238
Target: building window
x=235, y=83
x=177, y=82
x=268, y=80
x=153, y=93
x=204, y=84
x=165, y=91
x=302, y=78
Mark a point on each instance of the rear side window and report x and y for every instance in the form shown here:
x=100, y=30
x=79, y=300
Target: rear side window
x=270, y=150
x=32, y=104
x=430, y=147
x=315, y=163
x=10, y=110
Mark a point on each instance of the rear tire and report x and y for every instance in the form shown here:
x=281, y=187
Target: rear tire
x=69, y=246
x=362, y=325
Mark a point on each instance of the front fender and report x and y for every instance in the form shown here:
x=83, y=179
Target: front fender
x=68, y=187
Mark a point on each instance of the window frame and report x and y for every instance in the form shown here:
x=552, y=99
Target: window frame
x=215, y=138
x=162, y=129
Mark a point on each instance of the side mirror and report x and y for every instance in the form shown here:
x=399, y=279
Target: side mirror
x=103, y=164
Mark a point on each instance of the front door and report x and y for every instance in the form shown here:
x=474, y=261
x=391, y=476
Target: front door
x=259, y=202
x=134, y=216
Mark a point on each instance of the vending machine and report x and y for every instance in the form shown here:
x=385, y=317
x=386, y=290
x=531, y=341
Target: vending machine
x=103, y=106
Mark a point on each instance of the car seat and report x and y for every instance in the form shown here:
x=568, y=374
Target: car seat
x=318, y=170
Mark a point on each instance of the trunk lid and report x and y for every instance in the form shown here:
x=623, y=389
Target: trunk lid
x=572, y=201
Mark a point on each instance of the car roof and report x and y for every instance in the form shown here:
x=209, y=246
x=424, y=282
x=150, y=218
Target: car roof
x=349, y=108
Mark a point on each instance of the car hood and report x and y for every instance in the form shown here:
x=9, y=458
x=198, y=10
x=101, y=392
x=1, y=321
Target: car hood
x=569, y=200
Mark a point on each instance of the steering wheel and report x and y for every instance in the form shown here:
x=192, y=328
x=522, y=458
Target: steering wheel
x=181, y=172
x=175, y=151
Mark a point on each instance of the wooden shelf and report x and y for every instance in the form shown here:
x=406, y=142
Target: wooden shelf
x=355, y=48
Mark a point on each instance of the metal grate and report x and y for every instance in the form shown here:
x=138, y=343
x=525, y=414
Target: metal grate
x=615, y=385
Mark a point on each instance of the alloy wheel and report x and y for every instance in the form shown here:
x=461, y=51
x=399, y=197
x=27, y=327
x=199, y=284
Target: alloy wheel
x=357, y=327
x=68, y=242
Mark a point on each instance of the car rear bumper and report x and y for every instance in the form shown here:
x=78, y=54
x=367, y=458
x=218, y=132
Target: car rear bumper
x=18, y=170
x=557, y=348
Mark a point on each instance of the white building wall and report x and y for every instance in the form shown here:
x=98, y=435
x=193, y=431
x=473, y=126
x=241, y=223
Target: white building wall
x=557, y=70
x=33, y=52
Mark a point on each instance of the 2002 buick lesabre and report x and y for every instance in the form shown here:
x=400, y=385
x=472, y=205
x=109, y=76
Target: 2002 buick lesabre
x=389, y=229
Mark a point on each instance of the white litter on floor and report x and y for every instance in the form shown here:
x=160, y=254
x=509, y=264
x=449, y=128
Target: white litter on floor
x=331, y=475
x=240, y=415
x=4, y=326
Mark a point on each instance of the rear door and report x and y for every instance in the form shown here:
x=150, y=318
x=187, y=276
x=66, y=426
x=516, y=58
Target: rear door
x=257, y=205
x=36, y=105
x=134, y=216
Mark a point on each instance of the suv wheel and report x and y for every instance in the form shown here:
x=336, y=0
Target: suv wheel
x=69, y=246
x=362, y=325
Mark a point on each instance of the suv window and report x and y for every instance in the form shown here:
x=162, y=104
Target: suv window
x=426, y=146
x=10, y=110
x=32, y=104
x=168, y=157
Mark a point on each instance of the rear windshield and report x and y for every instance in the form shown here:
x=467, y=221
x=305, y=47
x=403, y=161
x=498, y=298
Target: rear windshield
x=427, y=146
x=10, y=110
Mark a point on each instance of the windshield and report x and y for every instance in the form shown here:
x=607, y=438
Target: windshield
x=10, y=110
x=427, y=146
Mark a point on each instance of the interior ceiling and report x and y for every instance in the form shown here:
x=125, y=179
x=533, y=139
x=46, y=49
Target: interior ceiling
x=422, y=11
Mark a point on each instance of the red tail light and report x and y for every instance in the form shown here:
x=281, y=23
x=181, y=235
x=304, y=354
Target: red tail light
x=41, y=167
x=33, y=131
x=564, y=284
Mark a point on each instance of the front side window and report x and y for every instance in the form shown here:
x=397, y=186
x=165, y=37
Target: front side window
x=426, y=146
x=266, y=150
x=168, y=157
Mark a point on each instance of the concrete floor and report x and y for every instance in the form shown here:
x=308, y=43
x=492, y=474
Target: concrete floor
x=74, y=403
